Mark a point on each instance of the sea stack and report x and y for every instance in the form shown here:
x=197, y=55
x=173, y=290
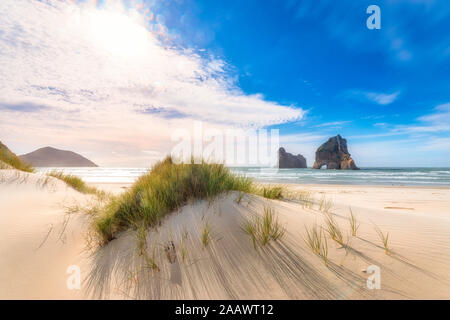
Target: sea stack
x=288, y=160
x=334, y=154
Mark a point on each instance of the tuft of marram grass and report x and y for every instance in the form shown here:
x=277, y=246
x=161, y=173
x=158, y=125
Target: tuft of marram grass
x=271, y=228
x=324, y=251
x=354, y=225
x=10, y=159
x=4, y=166
x=183, y=247
x=270, y=192
x=141, y=239
x=206, y=234
x=304, y=197
x=314, y=238
x=250, y=226
x=75, y=182
x=166, y=187
x=317, y=241
x=240, y=197
x=384, y=239
x=325, y=205
x=264, y=229
x=150, y=261
x=334, y=230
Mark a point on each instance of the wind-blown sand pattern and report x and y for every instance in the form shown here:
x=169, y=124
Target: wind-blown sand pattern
x=42, y=236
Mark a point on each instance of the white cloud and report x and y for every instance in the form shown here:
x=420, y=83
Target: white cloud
x=374, y=97
x=338, y=124
x=106, y=83
x=429, y=127
x=382, y=98
x=407, y=129
x=436, y=122
x=440, y=117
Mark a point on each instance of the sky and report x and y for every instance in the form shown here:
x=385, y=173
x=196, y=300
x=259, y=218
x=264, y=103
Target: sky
x=112, y=80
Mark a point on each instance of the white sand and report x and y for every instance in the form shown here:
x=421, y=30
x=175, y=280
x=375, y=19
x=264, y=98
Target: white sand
x=418, y=222
x=38, y=239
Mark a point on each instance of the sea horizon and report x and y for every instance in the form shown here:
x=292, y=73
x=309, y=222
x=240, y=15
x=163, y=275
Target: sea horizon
x=378, y=176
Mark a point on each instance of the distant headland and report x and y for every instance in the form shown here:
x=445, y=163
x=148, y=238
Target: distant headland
x=52, y=157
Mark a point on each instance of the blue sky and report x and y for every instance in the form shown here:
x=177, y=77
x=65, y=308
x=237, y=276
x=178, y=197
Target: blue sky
x=115, y=78
x=369, y=85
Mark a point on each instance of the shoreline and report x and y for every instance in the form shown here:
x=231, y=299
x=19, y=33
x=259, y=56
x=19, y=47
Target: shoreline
x=384, y=177
x=292, y=184
x=331, y=185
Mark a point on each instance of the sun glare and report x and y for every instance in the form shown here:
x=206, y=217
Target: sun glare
x=118, y=33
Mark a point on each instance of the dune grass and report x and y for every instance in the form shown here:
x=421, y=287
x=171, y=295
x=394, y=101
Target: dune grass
x=4, y=165
x=304, y=197
x=263, y=229
x=141, y=239
x=206, y=234
x=317, y=241
x=240, y=197
x=270, y=192
x=75, y=183
x=324, y=251
x=354, y=224
x=250, y=226
x=183, y=248
x=150, y=261
x=9, y=158
x=270, y=228
x=384, y=239
x=166, y=187
x=314, y=238
x=325, y=205
x=334, y=230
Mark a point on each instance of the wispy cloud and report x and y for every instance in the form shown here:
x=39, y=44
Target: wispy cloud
x=440, y=116
x=435, y=122
x=100, y=68
x=22, y=107
x=163, y=112
x=336, y=124
x=374, y=97
x=382, y=98
x=428, y=126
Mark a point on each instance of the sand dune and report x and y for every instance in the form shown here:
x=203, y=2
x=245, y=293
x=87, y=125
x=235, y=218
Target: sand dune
x=230, y=268
x=38, y=238
x=38, y=243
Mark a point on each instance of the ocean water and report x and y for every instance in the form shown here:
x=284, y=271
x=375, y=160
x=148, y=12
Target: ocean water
x=365, y=176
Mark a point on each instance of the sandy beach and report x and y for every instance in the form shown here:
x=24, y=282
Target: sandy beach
x=44, y=235
x=225, y=150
